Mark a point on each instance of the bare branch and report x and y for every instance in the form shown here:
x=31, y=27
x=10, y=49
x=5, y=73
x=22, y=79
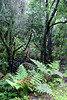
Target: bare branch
x=58, y=23
x=18, y=48
x=37, y=46
x=22, y=45
x=28, y=42
x=54, y=11
x=52, y=4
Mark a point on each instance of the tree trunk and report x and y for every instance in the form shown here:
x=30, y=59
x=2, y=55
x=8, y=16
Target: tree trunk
x=49, y=47
x=41, y=59
x=45, y=35
x=10, y=60
x=47, y=29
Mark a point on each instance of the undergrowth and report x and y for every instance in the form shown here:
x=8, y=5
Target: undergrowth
x=60, y=92
x=33, y=81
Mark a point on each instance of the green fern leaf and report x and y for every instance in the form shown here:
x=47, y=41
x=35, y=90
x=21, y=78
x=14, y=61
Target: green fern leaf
x=21, y=73
x=39, y=64
x=42, y=88
x=57, y=73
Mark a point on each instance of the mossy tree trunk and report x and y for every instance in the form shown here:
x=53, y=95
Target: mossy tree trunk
x=47, y=31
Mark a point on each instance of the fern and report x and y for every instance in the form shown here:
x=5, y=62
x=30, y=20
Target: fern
x=42, y=88
x=21, y=80
x=37, y=79
x=52, y=70
x=54, y=65
x=16, y=81
x=40, y=66
x=13, y=82
x=21, y=73
x=57, y=73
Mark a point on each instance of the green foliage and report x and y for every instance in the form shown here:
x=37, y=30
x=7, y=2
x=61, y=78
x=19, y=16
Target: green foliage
x=16, y=98
x=60, y=41
x=27, y=80
x=35, y=21
x=65, y=74
x=37, y=83
x=37, y=79
x=0, y=62
x=56, y=82
x=3, y=62
x=49, y=69
x=42, y=88
x=21, y=73
x=60, y=92
x=19, y=81
x=4, y=89
x=51, y=73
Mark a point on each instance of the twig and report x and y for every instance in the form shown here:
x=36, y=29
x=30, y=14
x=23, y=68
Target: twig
x=52, y=4
x=37, y=46
x=28, y=42
x=23, y=44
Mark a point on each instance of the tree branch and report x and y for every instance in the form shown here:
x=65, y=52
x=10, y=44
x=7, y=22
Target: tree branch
x=52, y=4
x=37, y=46
x=54, y=11
x=7, y=47
x=28, y=42
x=18, y=48
x=22, y=45
x=58, y=23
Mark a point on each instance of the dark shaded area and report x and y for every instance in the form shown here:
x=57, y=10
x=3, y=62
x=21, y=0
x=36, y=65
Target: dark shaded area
x=63, y=67
x=63, y=63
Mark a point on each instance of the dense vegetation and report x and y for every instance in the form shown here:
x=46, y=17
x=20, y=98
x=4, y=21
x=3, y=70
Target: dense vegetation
x=33, y=50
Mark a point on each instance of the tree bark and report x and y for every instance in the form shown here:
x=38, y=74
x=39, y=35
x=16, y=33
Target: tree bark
x=47, y=29
x=49, y=47
x=43, y=57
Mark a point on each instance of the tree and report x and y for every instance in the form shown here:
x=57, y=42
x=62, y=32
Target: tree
x=9, y=31
x=51, y=18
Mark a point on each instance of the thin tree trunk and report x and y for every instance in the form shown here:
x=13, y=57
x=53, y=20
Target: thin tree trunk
x=41, y=59
x=45, y=35
x=49, y=47
x=47, y=28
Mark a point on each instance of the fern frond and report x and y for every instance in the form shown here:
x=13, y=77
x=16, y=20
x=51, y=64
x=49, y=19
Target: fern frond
x=14, y=80
x=21, y=73
x=42, y=88
x=57, y=73
x=53, y=69
x=54, y=65
x=39, y=64
x=37, y=79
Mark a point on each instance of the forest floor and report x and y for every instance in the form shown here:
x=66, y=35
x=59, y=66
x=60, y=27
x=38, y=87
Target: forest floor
x=59, y=92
